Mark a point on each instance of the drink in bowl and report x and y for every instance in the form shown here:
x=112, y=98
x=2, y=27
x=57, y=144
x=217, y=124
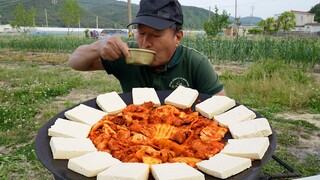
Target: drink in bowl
x=140, y=56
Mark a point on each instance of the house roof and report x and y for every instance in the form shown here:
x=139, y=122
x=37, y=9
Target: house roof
x=302, y=12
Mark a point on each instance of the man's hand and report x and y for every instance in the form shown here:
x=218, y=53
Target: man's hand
x=112, y=48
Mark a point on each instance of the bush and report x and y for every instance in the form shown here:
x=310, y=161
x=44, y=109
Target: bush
x=255, y=31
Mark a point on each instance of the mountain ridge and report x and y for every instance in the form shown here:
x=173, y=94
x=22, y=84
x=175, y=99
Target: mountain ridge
x=110, y=13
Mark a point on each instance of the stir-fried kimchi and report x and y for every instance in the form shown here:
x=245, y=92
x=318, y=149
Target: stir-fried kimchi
x=156, y=135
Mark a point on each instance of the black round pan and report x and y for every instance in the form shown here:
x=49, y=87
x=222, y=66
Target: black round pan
x=59, y=167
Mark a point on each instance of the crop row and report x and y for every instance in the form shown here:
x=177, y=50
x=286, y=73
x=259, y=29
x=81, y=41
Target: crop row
x=304, y=51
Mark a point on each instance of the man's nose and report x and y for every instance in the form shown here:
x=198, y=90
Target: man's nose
x=146, y=42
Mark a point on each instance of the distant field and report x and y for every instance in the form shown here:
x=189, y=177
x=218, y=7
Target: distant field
x=303, y=52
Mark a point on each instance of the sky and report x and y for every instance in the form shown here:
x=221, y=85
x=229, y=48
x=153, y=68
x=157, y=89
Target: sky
x=258, y=8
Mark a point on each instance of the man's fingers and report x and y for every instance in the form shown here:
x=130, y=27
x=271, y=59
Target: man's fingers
x=114, y=47
x=123, y=47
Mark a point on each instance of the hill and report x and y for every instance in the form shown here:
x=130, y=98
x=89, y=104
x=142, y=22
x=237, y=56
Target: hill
x=109, y=13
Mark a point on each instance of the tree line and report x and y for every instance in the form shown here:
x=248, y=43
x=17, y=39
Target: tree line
x=70, y=12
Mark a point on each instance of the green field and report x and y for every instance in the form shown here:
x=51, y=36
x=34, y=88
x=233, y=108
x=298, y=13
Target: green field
x=36, y=84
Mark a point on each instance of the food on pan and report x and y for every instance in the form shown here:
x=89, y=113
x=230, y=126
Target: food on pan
x=252, y=148
x=92, y=163
x=110, y=102
x=66, y=148
x=165, y=138
x=215, y=105
x=182, y=97
x=235, y=115
x=178, y=171
x=67, y=128
x=259, y=127
x=85, y=114
x=223, y=165
x=126, y=171
x=141, y=95
x=154, y=135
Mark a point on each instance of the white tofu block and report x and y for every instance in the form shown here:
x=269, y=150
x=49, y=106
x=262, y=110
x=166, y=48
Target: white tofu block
x=259, y=127
x=85, y=114
x=215, y=105
x=175, y=171
x=252, y=148
x=92, y=164
x=66, y=148
x=67, y=128
x=111, y=102
x=223, y=166
x=182, y=97
x=125, y=171
x=235, y=115
x=141, y=95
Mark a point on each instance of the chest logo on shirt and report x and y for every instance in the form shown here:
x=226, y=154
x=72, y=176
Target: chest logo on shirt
x=179, y=81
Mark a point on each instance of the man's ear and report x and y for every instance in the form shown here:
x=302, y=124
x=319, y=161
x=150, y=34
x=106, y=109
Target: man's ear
x=179, y=36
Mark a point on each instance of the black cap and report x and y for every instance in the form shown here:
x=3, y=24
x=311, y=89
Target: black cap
x=159, y=14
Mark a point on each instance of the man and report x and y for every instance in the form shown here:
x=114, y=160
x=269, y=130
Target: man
x=159, y=28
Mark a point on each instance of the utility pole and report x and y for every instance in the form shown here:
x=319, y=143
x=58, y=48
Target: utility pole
x=252, y=7
x=45, y=12
x=129, y=15
x=34, y=20
x=97, y=22
x=209, y=13
x=235, y=30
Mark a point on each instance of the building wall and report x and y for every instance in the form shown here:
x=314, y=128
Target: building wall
x=303, y=18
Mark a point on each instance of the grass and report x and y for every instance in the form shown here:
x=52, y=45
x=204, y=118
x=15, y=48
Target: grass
x=34, y=91
x=26, y=96
x=274, y=84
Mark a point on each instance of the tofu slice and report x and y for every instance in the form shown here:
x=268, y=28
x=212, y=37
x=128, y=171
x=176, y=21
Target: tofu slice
x=92, y=164
x=182, y=97
x=176, y=171
x=235, y=115
x=215, y=105
x=259, y=127
x=252, y=148
x=111, y=102
x=141, y=95
x=125, y=171
x=223, y=166
x=85, y=114
x=67, y=128
x=66, y=148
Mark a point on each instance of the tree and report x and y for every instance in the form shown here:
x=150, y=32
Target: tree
x=268, y=25
x=286, y=21
x=70, y=13
x=316, y=11
x=23, y=18
x=216, y=23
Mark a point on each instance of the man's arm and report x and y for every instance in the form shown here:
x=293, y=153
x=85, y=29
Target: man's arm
x=221, y=93
x=87, y=57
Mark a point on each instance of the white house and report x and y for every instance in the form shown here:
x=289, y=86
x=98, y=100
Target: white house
x=305, y=22
x=6, y=28
x=303, y=18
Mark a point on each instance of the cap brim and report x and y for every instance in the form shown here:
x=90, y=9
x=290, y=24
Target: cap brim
x=154, y=22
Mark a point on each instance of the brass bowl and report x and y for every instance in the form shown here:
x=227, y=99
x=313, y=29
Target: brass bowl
x=140, y=56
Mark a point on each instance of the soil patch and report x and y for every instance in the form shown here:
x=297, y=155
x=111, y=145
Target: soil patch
x=309, y=146
x=311, y=118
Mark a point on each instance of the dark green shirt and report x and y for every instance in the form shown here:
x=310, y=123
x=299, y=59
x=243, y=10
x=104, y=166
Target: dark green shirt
x=187, y=67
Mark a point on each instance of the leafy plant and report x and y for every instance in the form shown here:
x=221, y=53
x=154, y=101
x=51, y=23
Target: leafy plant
x=23, y=18
x=216, y=23
x=286, y=21
x=70, y=13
